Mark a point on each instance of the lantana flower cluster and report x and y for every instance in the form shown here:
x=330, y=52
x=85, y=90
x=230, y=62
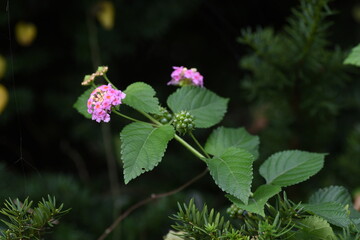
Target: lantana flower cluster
x=181, y=76
x=101, y=100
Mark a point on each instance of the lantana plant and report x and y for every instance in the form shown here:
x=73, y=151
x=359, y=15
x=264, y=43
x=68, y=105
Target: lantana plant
x=228, y=153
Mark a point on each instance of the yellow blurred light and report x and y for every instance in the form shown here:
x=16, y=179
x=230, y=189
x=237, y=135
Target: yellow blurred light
x=4, y=97
x=356, y=13
x=106, y=14
x=2, y=66
x=25, y=33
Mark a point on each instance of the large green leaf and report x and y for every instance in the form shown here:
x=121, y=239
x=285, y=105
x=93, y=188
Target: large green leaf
x=232, y=172
x=142, y=147
x=354, y=56
x=140, y=96
x=314, y=227
x=257, y=202
x=331, y=194
x=223, y=138
x=207, y=107
x=291, y=167
x=81, y=103
x=333, y=212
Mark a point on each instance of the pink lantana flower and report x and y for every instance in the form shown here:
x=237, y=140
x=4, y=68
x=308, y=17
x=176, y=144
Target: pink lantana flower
x=181, y=76
x=101, y=100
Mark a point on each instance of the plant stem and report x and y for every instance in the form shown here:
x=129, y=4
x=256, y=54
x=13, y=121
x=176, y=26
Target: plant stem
x=198, y=144
x=189, y=147
x=109, y=151
x=127, y=117
x=147, y=200
x=150, y=117
x=107, y=79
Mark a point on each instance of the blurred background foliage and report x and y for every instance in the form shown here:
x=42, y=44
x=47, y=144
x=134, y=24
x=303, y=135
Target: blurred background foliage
x=305, y=102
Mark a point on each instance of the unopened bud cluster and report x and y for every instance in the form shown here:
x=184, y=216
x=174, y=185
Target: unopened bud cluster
x=183, y=122
x=164, y=117
x=236, y=212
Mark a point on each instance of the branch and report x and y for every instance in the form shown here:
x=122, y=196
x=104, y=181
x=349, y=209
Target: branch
x=148, y=200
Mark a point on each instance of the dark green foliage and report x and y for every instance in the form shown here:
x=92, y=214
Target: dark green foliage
x=283, y=220
x=205, y=224
x=298, y=76
x=348, y=164
x=25, y=222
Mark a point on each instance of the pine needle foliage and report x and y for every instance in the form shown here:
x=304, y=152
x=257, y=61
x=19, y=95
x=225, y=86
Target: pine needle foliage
x=24, y=222
x=204, y=224
x=280, y=222
x=297, y=74
x=284, y=219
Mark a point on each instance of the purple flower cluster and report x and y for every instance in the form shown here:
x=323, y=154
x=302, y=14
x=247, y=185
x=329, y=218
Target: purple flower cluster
x=181, y=76
x=101, y=100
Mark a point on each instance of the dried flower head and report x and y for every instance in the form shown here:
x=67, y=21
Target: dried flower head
x=181, y=76
x=88, y=79
x=101, y=100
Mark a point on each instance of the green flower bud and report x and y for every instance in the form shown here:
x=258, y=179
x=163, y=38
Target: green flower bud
x=183, y=122
x=164, y=117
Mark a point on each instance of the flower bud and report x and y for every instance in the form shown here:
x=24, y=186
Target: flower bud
x=164, y=117
x=183, y=122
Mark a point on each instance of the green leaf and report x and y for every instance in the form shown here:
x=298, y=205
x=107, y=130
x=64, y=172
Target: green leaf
x=336, y=194
x=232, y=172
x=207, y=107
x=81, y=103
x=143, y=147
x=314, y=227
x=140, y=96
x=354, y=56
x=333, y=212
x=331, y=194
x=257, y=203
x=291, y=167
x=223, y=138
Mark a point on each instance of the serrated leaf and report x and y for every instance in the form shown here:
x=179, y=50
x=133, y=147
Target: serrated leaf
x=140, y=96
x=142, y=147
x=333, y=212
x=356, y=222
x=331, y=194
x=337, y=194
x=223, y=138
x=232, y=172
x=81, y=103
x=291, y=167
x=354, y=56
x=314, y=227
x=207, y=108
x=257, y=202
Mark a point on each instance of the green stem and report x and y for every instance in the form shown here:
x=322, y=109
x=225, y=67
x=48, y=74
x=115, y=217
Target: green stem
x=198, y=144
x=189, y=147
x=150, y=117
x=127, y=117
x=107, y=79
